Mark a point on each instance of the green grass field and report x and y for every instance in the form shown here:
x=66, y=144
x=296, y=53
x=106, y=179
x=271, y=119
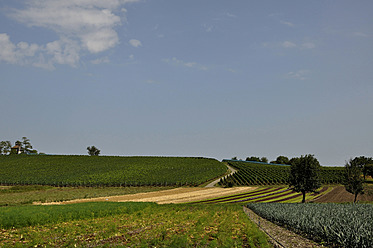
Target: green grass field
x=58, y=170
x=132, y=225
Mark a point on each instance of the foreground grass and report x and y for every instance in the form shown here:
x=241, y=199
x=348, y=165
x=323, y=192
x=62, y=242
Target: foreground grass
x=153, y=225
x=19, y=195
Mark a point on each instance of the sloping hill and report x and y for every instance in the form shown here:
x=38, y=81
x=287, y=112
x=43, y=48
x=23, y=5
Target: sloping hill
x=58, y=170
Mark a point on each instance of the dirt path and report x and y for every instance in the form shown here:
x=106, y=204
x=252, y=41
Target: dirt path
x=177, y=195
x=340, y=195
x=212, y=184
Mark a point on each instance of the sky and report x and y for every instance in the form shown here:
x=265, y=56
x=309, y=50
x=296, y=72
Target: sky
x=211, y=78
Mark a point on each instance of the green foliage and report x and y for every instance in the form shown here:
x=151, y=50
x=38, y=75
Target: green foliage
x=304, y=175
x=353, y=180
x=369, y=169
x=5, y=147
x=61, y=170
x=150, y=226
x=345, y=225
x=270, y=174
x=282, y=160
x=93, y=151
x=252, y=158
x=31, y=215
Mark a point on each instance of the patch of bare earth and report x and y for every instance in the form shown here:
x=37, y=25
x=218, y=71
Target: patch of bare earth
x=339, y=195
x=279, y=236
x=177, y=195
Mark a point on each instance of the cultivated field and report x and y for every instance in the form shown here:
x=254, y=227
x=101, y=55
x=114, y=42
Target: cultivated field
x=125, y=201
x=107, y=170
x=249, y=173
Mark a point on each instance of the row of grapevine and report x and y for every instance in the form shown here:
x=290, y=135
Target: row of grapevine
x=346, y=225
x=266, y=174
x=60, y=170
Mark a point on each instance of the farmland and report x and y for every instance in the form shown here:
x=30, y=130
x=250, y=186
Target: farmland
x=64, y=171
x=269, y=174
x=136, y=225
x=101, y=218
x=347, y=225
x=268, y=194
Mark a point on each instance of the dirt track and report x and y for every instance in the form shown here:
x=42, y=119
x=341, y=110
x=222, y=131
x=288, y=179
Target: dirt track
x=339, y=195
x=178, y=195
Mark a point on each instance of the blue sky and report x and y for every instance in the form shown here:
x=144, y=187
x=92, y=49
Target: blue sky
x=205, y=78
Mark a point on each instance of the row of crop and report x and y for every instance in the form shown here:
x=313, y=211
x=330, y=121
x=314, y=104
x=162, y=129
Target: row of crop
x=107, y=171
x=267, y=194
x=346, y=225
x=266, y=174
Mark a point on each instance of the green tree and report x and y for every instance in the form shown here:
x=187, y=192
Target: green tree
x=26, y=145
x=369, y=169
x=252, y=158
x=5, y=147
x=282, y=160
x=304, y=175
x=264, y=160
x=93, y=151
x=353, y=180
x=361, y=162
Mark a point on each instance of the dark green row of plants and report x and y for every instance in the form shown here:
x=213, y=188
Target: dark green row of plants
x=265, y=174
x=58, y=170
x=345, y=225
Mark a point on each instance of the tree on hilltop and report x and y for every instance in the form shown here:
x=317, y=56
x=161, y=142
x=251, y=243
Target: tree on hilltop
x=93, y=151
x=5, y=147
x=304, y=175
x=282, y=160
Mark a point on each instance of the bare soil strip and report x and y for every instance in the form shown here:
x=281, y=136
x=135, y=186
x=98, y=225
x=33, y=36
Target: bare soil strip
x=177, y=195
x=340, y=195
x=279, y=236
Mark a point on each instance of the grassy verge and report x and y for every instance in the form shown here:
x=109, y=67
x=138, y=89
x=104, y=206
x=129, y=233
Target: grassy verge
x=153, y=226
x=19, y=195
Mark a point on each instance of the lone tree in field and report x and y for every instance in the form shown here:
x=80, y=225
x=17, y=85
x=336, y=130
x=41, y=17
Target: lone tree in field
x=304, y=175
x=353, y=180
x=93, y=151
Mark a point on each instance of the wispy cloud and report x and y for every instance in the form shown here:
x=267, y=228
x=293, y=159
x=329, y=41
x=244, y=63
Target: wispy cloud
x=298, y=75
x=100, y=60
x=288, y=44
x=178, y=62
x=289, y=24
x=82, y=25
x=135, y=43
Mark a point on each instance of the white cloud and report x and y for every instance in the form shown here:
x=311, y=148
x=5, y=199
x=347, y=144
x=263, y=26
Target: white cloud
x=288, y=44
x=82, y=25
x=299, y=75
x=135, y=43
x=289, y=24
x=178, y=62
